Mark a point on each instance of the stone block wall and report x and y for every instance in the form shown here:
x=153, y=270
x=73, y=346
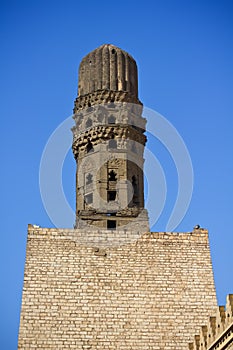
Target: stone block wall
x=217, y=333
x=152, y=292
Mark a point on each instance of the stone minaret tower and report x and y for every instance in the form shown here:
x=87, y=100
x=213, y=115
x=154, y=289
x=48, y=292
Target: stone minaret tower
x=95, y=288
x=109, y=141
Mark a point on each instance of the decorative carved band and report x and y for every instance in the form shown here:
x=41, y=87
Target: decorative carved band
x=102, y=97
x=103, y=133
x=126, y=212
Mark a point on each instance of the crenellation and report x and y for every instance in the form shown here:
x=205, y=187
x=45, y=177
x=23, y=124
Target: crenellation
x=218, y=334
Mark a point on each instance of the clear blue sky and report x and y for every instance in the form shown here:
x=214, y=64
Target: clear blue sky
x=184, y=52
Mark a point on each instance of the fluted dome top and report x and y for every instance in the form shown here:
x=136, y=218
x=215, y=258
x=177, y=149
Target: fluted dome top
x=108, y=68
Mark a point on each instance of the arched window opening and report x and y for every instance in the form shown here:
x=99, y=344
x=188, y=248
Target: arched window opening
x=89, y=147
x=112, y=176
x=111, y=119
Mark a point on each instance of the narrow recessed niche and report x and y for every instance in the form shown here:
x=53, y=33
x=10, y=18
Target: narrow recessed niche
x=111, y=196
x=89, y=147
x=112, y=143
x=111, y=104
x=111, y=224
x=111, y=119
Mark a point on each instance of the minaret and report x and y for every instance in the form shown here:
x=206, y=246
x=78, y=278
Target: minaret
x=109, y=283
x=108, y=142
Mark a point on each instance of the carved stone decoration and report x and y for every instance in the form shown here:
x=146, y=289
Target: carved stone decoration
x=109, y=283
x=97, y=135
x=115, y=163
x=108, y=135
x=87, y=165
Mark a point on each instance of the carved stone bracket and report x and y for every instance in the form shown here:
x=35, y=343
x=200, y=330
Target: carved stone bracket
x=104, y=96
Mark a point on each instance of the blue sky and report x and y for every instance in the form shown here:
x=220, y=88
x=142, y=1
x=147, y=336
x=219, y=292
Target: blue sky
x=184, y=54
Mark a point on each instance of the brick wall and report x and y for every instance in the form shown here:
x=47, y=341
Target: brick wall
x=151, y=293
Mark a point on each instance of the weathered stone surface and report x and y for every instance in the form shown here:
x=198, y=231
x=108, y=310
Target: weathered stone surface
x=93, y=288
x=218, y=332
x=109, y=127
x=108, y=68
x=152, y=293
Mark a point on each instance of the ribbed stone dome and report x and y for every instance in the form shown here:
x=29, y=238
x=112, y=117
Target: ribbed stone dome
x=108, y=68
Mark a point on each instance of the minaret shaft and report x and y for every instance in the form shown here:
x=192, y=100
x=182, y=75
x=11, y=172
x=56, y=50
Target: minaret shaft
x=109, y=140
